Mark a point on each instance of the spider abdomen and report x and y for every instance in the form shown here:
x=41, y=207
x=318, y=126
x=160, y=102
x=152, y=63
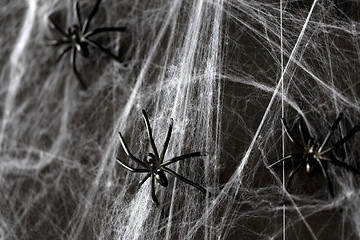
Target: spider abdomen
x=161, y=178
x=84, y=50
x=309, y=168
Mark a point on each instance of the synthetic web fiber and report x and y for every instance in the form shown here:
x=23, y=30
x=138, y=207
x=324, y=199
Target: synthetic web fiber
x=226, y=71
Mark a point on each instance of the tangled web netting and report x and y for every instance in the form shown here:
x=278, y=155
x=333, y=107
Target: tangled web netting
x=226, y=71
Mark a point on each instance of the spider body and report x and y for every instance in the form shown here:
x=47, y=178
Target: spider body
x=315, y=152
x=154, y=165
x=77, y=39
x=311, y=153
x=156, y=171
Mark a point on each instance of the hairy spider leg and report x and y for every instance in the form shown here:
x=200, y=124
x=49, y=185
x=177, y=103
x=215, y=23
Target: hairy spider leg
x=185, y=180
x=73, y=64
x=135, y=170
x=344, y=139
x=167, y=140
x=290, y=135
x=90, y=17
x=98, y=46
x=292, y=174
x=56, y=42
x=330, y=133
x=63, y=53
x=104, y=50
x=54, y=26
x=127, y=151
x=303, y=126
x=340, y=164
x=153, y=195
x=152, y=142
x=291, y=156
x=77, y=10
x=185, y=156
x=144, y=180
x=103, y=30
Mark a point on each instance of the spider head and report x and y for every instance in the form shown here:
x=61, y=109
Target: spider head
x=313, y=145
x=150, y=159
x=76, y=29
x=74, y=32
x=78, y=43
x=311, y=148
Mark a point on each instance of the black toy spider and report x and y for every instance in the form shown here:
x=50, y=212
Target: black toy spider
x=314, y=151
x=154, y=164
x=77, y=39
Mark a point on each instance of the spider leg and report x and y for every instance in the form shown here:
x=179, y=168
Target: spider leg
x=56, y=42
x=185, y=180
x=127, y=151
x=302, y=127
x=289, y=134
x=344, y=139
x=104, y=50
x=153, y=195
x=292, y=174
x=105, y=29
x=77, y=10
x=73, y=64
x=333, y=128
x=144, y=179
x=152, y=142
x=54, y=26
x=63, y=53
x=134, y=170
x=326, y=176
x=291, y=156
x=185, y=156
x=340, y=164
x=166, y=143
x=90, y=17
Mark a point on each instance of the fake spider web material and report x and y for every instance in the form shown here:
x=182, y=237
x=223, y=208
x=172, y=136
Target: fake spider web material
x=226, y=71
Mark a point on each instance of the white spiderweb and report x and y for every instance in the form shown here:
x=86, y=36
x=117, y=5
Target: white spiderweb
x=226, y=71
